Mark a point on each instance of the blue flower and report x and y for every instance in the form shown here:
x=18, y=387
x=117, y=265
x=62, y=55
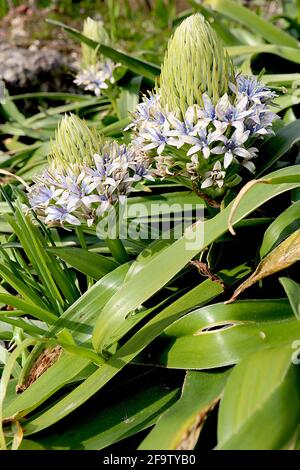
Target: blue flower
x=260, y=123
x=255, y=91
x=80, y=193
x=97, y=77
x=234, y=147
x=203, y=142
x=156, y=138
x=60, y=214
x=228, y=114
x=42, y=195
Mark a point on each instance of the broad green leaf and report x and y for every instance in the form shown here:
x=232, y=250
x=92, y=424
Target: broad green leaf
x=28, y=308
x=79, y=318
x=91, y=264
x=282, y=79
x=138, y=66
x=41, y=389
x=115, y=414
x=260, y=408
x=160, y=269
x=286, y=101
x=252, y=21
x=284, y=255
x=285, y=224
x=292, y=290
x=179, y=427
x=21, y=287
x=288, y=53
x=10, y=110
x=56, y=96
x=220, y=335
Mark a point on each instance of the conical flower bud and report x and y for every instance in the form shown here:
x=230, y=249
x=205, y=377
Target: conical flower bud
x=75, y=143
x=195, y=63
x=93, y=30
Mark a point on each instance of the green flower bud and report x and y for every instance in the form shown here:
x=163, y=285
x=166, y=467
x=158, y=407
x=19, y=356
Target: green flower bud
x=195, y=63
x=74, y=145
x=93, y=30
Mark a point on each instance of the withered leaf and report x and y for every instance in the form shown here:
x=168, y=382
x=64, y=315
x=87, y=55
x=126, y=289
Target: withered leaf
x=283, y=256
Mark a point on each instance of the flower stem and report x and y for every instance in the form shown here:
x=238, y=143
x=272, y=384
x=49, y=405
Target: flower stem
x=83, y=244
x=117, y=250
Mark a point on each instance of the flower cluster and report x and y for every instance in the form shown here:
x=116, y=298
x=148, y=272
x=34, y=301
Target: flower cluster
x=84, y=177
x=213, y=139
x=202, y=122
x=96, y=72
x=96, y=77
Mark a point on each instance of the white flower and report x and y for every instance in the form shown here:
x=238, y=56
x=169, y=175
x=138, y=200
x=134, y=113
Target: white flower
x=40, y=196
x=61, y=215
x=76, y=194
x=260, y=122
x=215, y=177
x=96, y=78
x=228, y=114
x=190, y=124
x=156, y=137
x=223, y=128
x=203, y=142
x=233, y=147
x=254, y=90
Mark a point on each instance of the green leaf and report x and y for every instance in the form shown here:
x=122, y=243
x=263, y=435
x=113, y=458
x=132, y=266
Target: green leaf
x=91, y=264
x=288, y=53
x=52, y=95
x=252, y=21
x=114, y=415
x=21, y=287
x=286, y=101
x=129, y=97
x=292, y=290
x=219, y=335
x=79, y=318
x=47, y=267
x=282, y=79
x=5, y=377
x=200, y=295
x=284, y=255
x=285, y=224
x=261, y=404
x=154, y=274
x=10, y=110
x=137, y=66
x=4, y=356
x=28, y=308
x=179, y=427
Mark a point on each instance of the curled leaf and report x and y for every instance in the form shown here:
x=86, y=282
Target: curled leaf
x=283, y=256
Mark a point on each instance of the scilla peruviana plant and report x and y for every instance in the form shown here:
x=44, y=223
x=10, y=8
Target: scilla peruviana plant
x=96, y=72
x=203, y=118
x=85, y=176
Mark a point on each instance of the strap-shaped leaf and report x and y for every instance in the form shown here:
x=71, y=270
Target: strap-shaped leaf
x=261, y=404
